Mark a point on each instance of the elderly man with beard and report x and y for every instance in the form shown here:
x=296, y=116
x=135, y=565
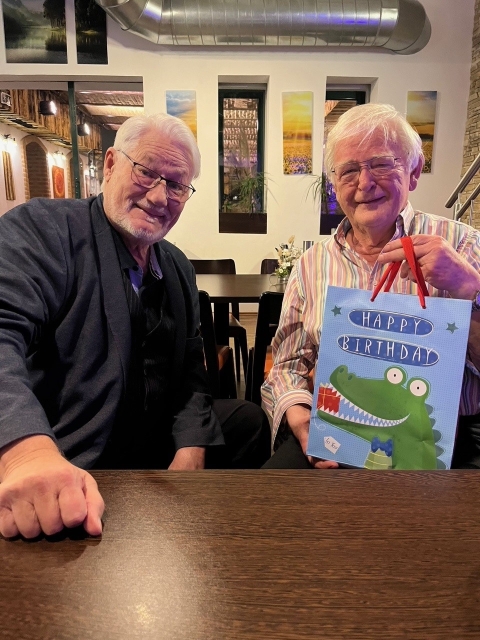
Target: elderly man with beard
x=101, y=360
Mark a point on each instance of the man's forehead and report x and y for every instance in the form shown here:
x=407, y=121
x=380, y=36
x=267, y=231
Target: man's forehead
x=357, y=148
x=160, y=159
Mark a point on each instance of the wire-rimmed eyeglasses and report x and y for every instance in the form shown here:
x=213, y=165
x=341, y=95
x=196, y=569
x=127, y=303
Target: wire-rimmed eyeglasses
x=378, y=167
x=148, y=179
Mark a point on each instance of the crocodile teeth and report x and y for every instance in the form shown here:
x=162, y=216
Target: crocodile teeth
x=368, y=419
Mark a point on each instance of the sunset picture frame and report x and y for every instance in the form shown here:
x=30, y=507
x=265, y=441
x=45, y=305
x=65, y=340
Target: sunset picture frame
x=421, y=114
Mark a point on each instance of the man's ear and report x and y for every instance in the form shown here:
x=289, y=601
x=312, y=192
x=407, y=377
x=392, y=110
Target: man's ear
x=415, y=174
x=108, y=163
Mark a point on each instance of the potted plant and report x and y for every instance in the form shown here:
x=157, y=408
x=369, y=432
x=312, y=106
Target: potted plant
x=243, y=209
x=252, y=192
x=324, y=193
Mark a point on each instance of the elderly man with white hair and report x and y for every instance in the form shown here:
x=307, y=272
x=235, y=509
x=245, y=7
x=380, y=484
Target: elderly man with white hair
x=374, y=158
x=101, y=360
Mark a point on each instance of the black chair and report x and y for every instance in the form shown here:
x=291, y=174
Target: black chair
x=218, y=359
x=269, y=308
x=235, y=329
x=268, y=265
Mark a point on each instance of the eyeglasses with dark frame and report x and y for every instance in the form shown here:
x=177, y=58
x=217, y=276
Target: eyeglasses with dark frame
x=148, y=179
x=378, y=167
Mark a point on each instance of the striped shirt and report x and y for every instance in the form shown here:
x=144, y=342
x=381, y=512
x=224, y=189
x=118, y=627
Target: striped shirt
x=333, y=262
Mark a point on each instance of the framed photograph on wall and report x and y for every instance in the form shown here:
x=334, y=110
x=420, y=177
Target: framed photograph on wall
x=91, y=32
x=297, y=132
x=183, y=105
x=58, y=181
x=421, y=111
x=35, y=31
x=8, y=175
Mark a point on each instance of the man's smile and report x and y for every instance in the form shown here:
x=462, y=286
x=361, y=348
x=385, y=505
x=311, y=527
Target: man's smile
x=151, y=214
x=372, y=201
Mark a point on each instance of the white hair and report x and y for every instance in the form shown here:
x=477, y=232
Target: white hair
x=137, y=126
x=370, y=119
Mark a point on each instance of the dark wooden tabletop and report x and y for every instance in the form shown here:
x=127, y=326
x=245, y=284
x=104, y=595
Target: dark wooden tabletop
x=281, y=555
x=240, y=287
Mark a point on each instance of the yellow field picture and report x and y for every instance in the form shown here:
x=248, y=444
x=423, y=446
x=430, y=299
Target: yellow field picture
x=421, y=107
x=297, y=132
x=183, y=105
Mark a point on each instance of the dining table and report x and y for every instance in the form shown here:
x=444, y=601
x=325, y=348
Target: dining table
x=256, y=555
x=224, y=289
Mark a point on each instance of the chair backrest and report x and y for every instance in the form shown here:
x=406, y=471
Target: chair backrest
x=268, y=265
x=226, y=265
x=269, y=308
x=218, y=359
x=209, y=342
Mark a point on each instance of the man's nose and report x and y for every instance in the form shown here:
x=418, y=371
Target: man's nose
x=158, y=194
x=365, y=178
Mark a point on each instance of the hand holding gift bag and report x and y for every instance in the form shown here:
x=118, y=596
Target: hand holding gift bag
x=389, y=375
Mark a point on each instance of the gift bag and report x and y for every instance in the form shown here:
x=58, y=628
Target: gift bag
x=388, y=378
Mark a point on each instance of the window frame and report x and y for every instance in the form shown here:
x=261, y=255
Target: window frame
x=232, y=91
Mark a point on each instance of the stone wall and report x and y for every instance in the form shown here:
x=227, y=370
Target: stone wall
x=472, y=130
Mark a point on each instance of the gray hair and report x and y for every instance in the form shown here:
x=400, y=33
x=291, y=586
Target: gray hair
x=137, y=126
x=368, y=119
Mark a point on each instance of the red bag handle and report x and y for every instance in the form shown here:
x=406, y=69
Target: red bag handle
x=392, y=271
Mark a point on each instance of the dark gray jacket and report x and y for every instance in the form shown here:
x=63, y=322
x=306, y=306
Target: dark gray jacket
x=65, y=331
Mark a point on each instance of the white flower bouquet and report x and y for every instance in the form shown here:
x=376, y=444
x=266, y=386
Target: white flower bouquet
x=288, y=254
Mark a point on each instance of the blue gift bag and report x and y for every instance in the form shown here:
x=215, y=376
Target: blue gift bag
x=388, y=380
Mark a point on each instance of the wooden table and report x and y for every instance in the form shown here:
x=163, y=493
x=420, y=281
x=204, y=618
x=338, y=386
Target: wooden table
x=267, y=555
x=226, y=288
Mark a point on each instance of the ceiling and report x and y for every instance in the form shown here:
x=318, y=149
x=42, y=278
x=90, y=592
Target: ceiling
x=334, y=109
x=108, y=109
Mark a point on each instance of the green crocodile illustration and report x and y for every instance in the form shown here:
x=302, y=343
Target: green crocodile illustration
x=389, y=413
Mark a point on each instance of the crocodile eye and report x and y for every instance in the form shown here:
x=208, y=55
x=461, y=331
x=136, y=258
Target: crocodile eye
x=395, y=375
x=418, y=387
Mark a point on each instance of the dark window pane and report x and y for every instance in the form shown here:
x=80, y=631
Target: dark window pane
x=336, y=103
x=241, y=144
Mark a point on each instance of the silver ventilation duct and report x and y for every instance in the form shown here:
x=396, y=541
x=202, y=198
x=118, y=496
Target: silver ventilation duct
x=401, y=26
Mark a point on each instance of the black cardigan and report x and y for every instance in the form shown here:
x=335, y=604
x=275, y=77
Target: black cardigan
x=65, y=332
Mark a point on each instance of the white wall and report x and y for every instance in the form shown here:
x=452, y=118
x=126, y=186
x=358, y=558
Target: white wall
x=443, y=66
